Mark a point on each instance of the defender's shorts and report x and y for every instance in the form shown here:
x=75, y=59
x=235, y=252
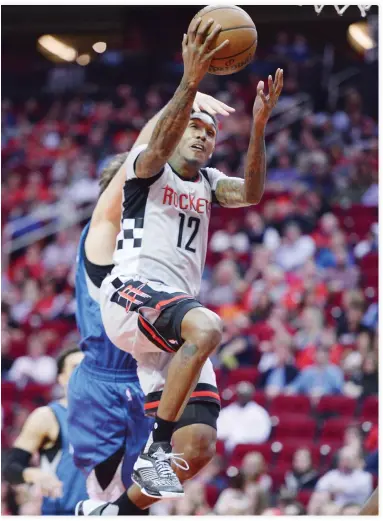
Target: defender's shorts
x=144, y=319
x=112, y=429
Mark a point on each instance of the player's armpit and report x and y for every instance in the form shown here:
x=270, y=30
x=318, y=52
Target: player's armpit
x=230, y=193
x=37, y=429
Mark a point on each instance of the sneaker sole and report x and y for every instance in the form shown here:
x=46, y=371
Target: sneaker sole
x=77, y=509
x=163, y=495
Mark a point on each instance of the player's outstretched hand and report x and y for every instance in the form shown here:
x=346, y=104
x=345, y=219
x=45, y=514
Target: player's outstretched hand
x=263, y=105
x=204, y=102
x=198, y=49
x=45, y=482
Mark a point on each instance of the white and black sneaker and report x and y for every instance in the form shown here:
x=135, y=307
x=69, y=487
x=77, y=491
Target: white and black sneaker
x=153, y=472
x=92, y=507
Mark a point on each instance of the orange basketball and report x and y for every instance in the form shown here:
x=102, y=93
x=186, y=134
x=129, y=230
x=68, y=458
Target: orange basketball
x=239, y=29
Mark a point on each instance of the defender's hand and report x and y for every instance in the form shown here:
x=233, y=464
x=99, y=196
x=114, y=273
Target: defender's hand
x=46, y=483
x=263, y=105
x=204, y=102
x=197, y=51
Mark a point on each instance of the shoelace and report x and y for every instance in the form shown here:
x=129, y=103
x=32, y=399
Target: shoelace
x=164, y=460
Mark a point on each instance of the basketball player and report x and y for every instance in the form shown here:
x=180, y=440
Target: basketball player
x=371, y=508
x=148, y=303
x=61, y=484
x=107, y=425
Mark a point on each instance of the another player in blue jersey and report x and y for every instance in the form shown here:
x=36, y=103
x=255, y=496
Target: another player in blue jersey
x=60, y=483
x=107, y=424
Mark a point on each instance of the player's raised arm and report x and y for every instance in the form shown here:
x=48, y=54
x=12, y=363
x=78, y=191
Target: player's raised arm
x=234, y=192
x=197, y=55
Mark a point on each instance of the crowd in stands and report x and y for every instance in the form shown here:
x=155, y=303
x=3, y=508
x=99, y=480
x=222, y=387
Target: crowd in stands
x=294, y=280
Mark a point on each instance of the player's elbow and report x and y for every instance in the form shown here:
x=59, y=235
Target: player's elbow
x=254, y=197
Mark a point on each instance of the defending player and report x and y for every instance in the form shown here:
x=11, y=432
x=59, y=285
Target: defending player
x=148, y=303
x=107, y=425
x=46, y=432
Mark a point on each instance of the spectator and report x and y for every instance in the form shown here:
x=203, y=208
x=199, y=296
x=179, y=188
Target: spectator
x=257, y=483
x=236, y=421
x=233, y=501
x=284, y=372
x=36, y=366
x=62, y=251
x=310, y=328
x=225, y=279
x=319, y=379
x=346, y=484
x=366, y=382
x=295, y=249
x=302, y=475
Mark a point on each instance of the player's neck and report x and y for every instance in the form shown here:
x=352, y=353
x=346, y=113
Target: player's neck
x=182, y=168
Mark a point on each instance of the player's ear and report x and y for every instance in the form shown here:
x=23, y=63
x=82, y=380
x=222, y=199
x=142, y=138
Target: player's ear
x=61, y=379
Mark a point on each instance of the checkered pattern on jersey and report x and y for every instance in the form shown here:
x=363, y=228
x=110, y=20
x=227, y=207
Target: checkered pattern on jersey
x=133, y=231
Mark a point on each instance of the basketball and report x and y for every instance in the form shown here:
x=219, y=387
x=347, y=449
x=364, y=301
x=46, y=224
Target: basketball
x=239, y=29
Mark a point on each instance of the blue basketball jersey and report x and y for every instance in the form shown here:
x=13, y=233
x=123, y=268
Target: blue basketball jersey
x=95, y=344
x=59, y=460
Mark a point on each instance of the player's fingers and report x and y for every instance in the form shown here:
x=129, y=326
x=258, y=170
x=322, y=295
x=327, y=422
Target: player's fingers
x=184, y=42
x=279, y=85
x=196, y=106
x=260, y=86
x=192, y=32
x=261, y=94
x=217, y=49
x=212, y=36
x=213, y=108
x=271, y=85
x=203, y=32
x=222, y=108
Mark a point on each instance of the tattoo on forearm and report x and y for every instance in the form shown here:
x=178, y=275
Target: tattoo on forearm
x=255, y=169
x=173, y=122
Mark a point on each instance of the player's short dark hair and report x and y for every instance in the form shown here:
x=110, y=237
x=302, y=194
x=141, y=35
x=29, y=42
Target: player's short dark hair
x=111, y=170
x=213, y=118
x=60, y=361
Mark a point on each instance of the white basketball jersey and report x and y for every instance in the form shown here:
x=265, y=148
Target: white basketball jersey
x=164, y=226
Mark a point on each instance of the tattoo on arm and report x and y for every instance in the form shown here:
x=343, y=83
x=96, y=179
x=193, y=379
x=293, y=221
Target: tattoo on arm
x=168, y=131
x=234, y=192
x=188, y=351
x=230, y=192
x=255, y=168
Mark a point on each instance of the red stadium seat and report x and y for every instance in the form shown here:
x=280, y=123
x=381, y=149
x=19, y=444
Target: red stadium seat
x=9, y=391
x=370, y=409
x=304, y=497
x=246, y=374
x=333, y=431
x=290, y=446
x=242, y=449
x=290, y=404
x=278, y=474
x=292, y=426
x=37, y=393
x=211, y=495
x=341, y=405
x=220, y=448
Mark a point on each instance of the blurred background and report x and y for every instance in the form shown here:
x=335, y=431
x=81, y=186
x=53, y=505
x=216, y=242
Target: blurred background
x=294, y=279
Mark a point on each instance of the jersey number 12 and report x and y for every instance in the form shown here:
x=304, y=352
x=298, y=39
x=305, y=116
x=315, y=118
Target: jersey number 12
x=193, y=223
